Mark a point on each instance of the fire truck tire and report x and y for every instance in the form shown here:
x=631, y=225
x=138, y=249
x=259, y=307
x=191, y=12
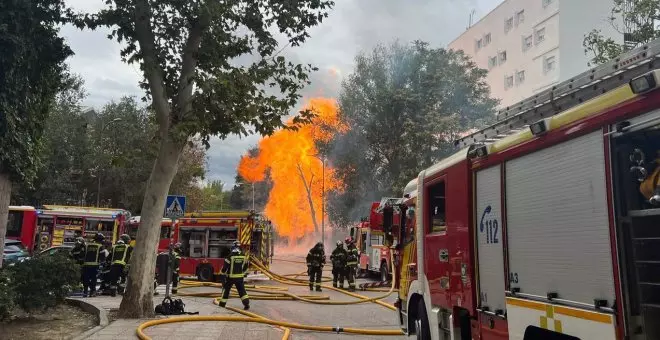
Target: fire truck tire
x=422, y=330
x=384, y=272
x=205, y=272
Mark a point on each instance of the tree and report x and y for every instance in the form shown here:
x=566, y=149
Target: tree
x=188, y=52
x=634, y=19
x=404, y=105
x=32, y=72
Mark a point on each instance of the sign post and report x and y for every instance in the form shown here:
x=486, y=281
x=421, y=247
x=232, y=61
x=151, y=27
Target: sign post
x=175, y=207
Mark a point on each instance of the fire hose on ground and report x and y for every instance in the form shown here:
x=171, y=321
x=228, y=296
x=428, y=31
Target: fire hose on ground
x=278, y=293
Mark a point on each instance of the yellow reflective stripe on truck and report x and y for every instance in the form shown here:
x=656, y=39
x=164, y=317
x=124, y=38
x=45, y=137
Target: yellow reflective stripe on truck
x=551, y=309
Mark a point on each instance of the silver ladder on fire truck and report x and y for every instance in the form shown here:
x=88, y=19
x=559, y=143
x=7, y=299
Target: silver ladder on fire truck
x=640, y=68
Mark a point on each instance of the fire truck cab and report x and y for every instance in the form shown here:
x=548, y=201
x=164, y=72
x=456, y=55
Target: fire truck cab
x=206, y=239
x=22, y=225
x=166, y=232
x=371, y=242
x=545, y=224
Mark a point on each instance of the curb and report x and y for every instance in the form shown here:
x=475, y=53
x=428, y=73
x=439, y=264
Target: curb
x=101, y=313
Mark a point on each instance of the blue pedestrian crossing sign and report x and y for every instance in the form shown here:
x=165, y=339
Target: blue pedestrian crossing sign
x=175, y=206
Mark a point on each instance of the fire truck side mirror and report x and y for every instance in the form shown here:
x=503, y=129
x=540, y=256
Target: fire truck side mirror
x=388, y=216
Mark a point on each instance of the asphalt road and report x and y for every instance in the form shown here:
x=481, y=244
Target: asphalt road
x=365, y=315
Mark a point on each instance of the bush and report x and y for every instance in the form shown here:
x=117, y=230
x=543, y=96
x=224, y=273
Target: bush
x=6, y=295
x=43, y=281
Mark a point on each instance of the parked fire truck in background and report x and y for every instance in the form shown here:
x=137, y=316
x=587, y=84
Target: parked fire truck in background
x=60, y=225
x=166, y=232
x=369, y=238
x=206, y=239
x=546, y=224
x=22, y=225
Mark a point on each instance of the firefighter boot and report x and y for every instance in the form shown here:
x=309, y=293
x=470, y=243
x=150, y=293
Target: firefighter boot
x=311, y=287
x=222, y=304
x=246, y=305
x=318, y=289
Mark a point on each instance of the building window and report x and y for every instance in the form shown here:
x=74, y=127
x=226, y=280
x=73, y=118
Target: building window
x=487, y=39
x=492, y=62
x=520, y=77
x=502, y=56
x=546, y=3
x=480, y=44
x=549, y=64
x=520, y=17
x=508, y=82
x=540, y=35
x=508, y=25
x=528, y=42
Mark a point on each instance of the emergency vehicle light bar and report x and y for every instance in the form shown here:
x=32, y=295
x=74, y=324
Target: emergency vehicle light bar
x=625, y=69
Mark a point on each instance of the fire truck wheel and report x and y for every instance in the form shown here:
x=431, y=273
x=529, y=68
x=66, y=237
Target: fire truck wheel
x=205, y=272
x=384, y=273
x=422, y=323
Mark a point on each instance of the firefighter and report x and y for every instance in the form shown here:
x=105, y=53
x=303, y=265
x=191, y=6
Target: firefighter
x=118, y=260
x=78, y=250
x=352, y=256
x=124, y=273
x=232, y=274
x=90, y=268
x=315, y=262
x=338, y=258
x=104, y=268
x=175, y=262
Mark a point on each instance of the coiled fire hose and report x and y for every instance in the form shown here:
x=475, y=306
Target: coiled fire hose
x=279, y=293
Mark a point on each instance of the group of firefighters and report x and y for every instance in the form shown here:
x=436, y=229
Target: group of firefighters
x=98, y=256
x=344, y=265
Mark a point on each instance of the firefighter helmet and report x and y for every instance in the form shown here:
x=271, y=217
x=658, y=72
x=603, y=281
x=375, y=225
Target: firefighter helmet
x=126, y=238
x=339, y=244
x=99, y=237
x=80, y=240
x=235, y=250
x=236, y=244
x=319, y=245
x=177, y=246
x=348, y=240
x=121, y=242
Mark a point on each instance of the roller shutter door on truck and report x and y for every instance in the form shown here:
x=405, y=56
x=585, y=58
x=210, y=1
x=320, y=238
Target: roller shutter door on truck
x=489, y=239
x=557, y=222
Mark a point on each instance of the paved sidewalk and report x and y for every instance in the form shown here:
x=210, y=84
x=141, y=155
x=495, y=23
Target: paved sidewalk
x=125, y=328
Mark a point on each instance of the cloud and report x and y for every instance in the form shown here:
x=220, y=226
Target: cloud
x=353, y=26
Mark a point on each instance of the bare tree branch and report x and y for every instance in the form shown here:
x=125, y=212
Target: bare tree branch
x=189, y=62
x=308, y=189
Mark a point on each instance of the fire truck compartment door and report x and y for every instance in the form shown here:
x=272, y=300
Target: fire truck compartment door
x=489, y=239
x=557, y=222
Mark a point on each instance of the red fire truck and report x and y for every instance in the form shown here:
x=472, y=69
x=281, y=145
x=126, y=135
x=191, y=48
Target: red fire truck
x=369, y=238
x=206, y=239
x=22, y=225
x=60, y=225
x=166, y=229
x=546, y=225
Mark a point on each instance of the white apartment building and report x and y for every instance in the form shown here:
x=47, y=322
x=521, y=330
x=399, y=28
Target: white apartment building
x=530, y=45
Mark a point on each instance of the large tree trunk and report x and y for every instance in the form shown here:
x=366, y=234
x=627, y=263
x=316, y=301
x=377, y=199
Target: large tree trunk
x=138, y=299
x=5, y=195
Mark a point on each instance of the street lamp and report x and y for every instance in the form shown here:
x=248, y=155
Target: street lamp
x=323, y=160
x=241, y=184
x=98, y=167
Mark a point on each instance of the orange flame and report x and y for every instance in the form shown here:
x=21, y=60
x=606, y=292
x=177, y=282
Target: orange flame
x=291, y=157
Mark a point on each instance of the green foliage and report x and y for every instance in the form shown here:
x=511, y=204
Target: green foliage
x=43, y=281
x=634, y=19
x=6, y=295
x=404, y=105
x=32, y=72
x=189, y=50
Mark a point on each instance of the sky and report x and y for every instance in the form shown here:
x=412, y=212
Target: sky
x=353, y=26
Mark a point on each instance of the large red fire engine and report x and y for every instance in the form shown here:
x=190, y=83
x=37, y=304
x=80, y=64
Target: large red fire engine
x=22, y=225
x=369, y=238
x=166, y=232
x=60, y=225
x=546, y=224
x=206, y=239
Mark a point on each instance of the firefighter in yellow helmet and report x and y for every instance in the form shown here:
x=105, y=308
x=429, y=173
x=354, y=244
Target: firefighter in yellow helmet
x=90, y=268
x=232, y=274
x=119, y=257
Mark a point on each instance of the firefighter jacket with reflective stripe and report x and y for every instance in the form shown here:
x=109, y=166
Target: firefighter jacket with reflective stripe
x=119, y=254
x=235, y=266
x=316, y=257
x=352, y=256
x=175, y=261
x=338, y=257
x=77, y=252
x=91, y=256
